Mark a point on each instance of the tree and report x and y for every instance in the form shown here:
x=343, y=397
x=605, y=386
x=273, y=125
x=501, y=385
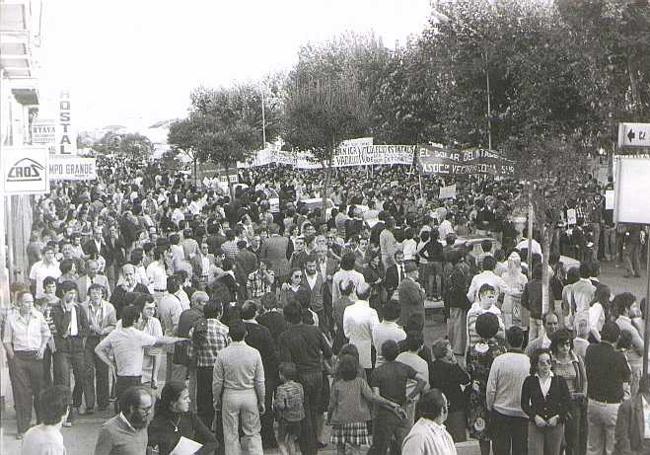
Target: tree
x=224, y=125
x=136, y=146
x=319, y=115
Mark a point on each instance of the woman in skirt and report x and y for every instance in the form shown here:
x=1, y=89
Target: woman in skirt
x=349, y=407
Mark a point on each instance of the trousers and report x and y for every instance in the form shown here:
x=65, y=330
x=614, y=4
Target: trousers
x=545, y=441
x=388, y=432
x=27, y=377
x=240, y=407
x=312, y=384
x=602, y=424
x=508, y=434
x=72, y=361
x=96, y=372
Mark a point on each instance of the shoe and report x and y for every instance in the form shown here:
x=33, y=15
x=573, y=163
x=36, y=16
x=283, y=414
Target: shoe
x=20, y=436
x=89, y=411
x=112, y=399
x=67, y=424
x=154, y=386
x=321, y=445
x=636, y=275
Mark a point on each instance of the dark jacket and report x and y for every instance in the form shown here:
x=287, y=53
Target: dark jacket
x=61, y=320
x=556, y=402
x=163, y=434
x=630, y=427
x=259, y=337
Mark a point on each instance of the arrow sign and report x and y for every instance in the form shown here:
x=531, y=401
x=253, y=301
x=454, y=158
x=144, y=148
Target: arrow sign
x=633, y=135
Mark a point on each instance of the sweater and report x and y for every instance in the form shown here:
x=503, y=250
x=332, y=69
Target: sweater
x=503, y=389
x=118, y=437
x=555, y=403
x=350, y=401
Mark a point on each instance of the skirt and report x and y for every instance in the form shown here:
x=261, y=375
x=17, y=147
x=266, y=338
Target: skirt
x=355, y=433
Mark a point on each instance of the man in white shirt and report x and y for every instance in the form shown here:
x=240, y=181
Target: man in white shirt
x=25, y=336
x=429, y=436
x=414, y=342
x=358, y=322
x=123, y=350
x=487, y=276
x=48, y=266
x=157, y=272
x=170, y=308
x=388, y=329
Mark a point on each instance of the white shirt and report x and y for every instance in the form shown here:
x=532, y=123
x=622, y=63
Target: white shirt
x=382, y=332
x=545, y=383
x=358, y=321
x=74, y=327
x=420, y=366
x=486, y=277
x=428, y=438
x=40, y=270
x=157, y=277
x=127, y=346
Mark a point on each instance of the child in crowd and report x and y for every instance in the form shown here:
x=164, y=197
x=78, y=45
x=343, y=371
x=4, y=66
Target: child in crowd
x=349, y=408
x=288, y=406
x=487, y=299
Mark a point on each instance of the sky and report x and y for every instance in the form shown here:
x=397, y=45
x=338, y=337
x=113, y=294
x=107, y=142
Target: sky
x=135, y=62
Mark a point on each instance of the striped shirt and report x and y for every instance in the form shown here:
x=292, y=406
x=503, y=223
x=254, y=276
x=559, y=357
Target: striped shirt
x=289, y=400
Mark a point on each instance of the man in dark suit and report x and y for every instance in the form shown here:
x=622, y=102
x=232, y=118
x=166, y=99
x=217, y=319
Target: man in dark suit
x=245, y=264
x=274, y=249
x=411, y=294
x=631, y=436
x=313, y=281
x=260, y=338
x=72, y=329
x=395, y=274
x=114, y=254
x=91, y=277
x=95, y=246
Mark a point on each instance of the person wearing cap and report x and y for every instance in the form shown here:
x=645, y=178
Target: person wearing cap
x=411, y=294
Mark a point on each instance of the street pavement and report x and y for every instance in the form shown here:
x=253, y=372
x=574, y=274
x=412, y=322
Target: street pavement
x=81, y=438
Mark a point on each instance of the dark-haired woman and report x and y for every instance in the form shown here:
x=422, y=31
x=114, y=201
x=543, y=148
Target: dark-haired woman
x=173, y=420
x=570, y=366
x=545, y=398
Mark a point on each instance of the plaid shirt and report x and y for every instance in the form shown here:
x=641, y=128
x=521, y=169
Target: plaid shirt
x=288, y=401
x=258, y=284
x=208, y=338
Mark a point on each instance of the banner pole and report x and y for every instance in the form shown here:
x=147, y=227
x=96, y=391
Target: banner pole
x=646, y=337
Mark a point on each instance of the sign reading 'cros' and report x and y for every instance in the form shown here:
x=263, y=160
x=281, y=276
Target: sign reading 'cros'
x=25, y=170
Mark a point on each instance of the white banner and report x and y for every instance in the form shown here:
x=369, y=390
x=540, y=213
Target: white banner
x=25, y=170
x=373, y=154
x=448, y=192
x=72, y=168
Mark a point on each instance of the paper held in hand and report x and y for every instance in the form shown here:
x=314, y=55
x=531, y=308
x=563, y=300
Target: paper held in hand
x=186, y=446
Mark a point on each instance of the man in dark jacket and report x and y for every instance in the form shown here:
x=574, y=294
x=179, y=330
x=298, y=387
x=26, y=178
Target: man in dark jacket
x=631, y=436
x=72, y=328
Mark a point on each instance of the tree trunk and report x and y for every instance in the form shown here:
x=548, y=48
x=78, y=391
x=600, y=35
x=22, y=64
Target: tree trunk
x=546, y=251
x=326, y=187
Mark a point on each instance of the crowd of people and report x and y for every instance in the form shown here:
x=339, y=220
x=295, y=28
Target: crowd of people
x=278, y=322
